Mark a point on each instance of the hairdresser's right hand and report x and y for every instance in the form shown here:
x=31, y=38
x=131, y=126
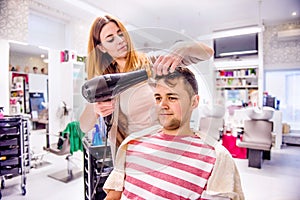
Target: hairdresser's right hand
x=104, y=108
x=113, y=195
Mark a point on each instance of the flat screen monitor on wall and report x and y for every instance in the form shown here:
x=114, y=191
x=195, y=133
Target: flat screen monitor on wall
x=236, y=46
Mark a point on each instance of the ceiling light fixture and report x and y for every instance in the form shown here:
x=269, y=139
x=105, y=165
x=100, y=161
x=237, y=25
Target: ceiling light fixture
x=17, y=42
x=237, y=31
x=294, y=13
x=255, y=28
x=44, y=48
x=231, y=32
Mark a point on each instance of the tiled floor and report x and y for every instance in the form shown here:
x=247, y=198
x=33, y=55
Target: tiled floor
x=41, y=187
x=279, y=178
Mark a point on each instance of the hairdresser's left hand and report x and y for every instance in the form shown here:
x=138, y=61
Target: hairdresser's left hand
x=165, y=64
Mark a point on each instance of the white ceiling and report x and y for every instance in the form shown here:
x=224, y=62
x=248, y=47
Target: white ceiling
x=191, y=17
x=188, y=18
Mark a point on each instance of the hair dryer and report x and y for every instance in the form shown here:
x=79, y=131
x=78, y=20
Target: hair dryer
x=106, y=87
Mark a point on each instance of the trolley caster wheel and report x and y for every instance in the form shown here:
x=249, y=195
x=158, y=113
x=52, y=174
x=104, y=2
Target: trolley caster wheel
x=2, y=184
x=23, y=191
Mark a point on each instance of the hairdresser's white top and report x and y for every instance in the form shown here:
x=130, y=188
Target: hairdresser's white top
x=138, y=104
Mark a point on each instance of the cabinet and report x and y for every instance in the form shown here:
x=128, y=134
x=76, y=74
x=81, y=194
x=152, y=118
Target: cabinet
x=14, y=153
x=19, y=93
x=94, y=178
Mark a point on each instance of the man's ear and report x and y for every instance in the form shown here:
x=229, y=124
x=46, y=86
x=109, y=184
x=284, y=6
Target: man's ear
x=195, y=101
x=101, y=48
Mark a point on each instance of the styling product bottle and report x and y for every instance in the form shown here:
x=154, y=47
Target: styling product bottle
x=97, y=139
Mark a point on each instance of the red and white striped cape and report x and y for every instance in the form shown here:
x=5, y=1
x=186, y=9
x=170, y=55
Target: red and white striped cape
x=162, y=166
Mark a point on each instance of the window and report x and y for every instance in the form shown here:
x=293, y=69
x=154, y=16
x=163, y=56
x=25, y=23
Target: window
x=284, y=85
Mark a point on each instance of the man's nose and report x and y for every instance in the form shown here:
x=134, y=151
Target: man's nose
x=164, y=103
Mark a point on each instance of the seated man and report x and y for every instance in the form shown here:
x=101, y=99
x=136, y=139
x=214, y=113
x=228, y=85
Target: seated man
x=172, y=161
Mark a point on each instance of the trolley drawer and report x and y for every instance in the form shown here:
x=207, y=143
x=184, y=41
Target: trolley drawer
x=9, y=142
x=10, y=121
x=13, y=171
x=9, y=152
x=11, y=129
x=14, y=161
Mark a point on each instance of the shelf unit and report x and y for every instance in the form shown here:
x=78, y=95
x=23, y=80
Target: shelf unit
x=15, y=152
x=93, y=177
x=19, y=93
x=239, y=79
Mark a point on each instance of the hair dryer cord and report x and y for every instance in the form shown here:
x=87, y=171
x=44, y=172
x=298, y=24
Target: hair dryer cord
x=108, y=122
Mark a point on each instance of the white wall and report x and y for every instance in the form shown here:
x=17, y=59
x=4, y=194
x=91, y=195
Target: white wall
x=60, y=89
x=44, y=31
x=4, y=74
x=281, y=54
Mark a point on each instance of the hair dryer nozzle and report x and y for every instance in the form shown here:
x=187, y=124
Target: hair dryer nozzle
x=106, y=87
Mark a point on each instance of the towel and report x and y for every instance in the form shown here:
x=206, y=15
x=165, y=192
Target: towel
x=75, y=136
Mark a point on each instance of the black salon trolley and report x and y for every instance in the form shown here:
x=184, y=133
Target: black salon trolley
x=14, y=149
x=93, y=177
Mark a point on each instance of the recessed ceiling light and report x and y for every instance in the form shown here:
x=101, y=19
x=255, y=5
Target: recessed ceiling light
x=294, y=13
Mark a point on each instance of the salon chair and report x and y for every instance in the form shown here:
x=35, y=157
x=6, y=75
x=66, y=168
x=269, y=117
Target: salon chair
x=64, y=146
x=257, y=138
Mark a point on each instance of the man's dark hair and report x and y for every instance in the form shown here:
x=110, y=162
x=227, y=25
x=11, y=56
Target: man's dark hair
x=188, y=77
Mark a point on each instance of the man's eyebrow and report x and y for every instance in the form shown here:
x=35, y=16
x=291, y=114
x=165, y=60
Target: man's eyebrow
x=168, y=94
x=172, y=94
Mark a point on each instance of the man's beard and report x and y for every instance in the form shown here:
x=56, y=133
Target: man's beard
x=173, y=124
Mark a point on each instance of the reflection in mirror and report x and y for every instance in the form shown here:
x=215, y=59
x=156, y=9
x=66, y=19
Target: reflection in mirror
x=28, y=59
x=28, y=68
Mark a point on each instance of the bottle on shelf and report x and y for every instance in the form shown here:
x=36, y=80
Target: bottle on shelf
x=1, y=112
x=97, y=139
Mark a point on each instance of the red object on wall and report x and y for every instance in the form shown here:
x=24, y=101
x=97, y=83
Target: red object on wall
x=62, y=56
x=25, y=76
x=229, y=142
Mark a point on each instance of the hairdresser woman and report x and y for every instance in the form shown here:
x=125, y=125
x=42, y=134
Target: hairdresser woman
x=110, y=50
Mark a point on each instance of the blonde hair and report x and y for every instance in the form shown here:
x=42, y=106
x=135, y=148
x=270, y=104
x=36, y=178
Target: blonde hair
x=99, y=63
